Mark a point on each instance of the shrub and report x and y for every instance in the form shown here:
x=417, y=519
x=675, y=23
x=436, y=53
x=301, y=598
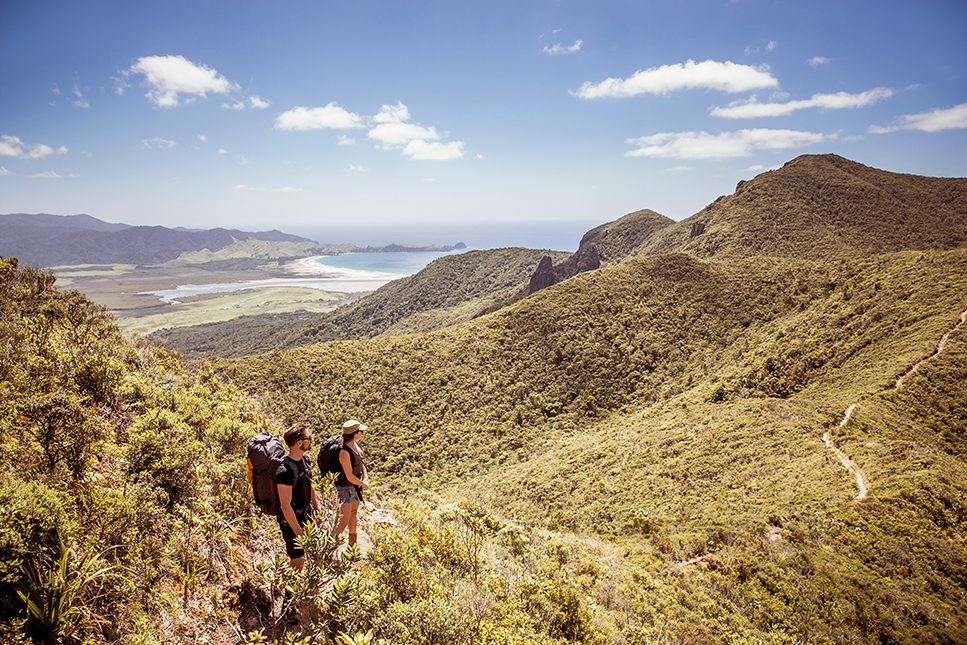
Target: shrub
x=161, y=445
x=34, y=521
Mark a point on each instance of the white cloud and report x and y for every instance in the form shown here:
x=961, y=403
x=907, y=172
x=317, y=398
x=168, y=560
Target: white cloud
x=254, y=102
x=772, y=45
x=81, y=101
x=758, y=168
x=816, y=61
x=393, y=130
x=357, y=168
x=159, y=142
x=390, y=128
x=563, y=49
x=953, y=118
x=4, y=172
x=290, y=189
x=50, y=174
x=120, y=85
x=428, y=180
x=752, y=108
x=243, y=161
x=222, y=151
x=56, y=90
x=331, y=116
x=678, y=169
x=434, y=150
x=480, y=156
x=395, y=135
x=712, y=75
x=202, y=138
x=392, y=113
x=169, y=76
x=11, y=146
x=702, y=145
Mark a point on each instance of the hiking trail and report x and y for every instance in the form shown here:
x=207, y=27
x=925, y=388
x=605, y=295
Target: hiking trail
x=862, y=484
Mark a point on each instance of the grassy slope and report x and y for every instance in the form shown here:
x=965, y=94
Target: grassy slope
x=450, y=290
x=818, y=206
x=679, y=405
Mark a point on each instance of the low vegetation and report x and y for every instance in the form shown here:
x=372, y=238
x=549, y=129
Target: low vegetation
x=633, y=455
x=450, y=290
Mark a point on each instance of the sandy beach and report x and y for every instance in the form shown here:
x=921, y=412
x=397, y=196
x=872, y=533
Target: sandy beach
x=309, y=267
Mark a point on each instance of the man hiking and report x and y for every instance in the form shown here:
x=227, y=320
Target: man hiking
x=297, y=495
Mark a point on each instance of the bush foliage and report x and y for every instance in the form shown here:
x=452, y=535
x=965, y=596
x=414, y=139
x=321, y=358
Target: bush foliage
x=634, y=455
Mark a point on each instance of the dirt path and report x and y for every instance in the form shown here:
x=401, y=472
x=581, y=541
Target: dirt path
x=862, y=484
x=369, y=517
x=943, y=341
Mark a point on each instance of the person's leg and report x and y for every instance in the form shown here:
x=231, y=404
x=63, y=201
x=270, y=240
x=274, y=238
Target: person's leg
x=296, y=555
x=344, y=518
x=353, y=510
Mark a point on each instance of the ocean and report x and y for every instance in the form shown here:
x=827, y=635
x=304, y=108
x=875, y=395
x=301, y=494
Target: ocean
x=359, y=272
x=557, y=236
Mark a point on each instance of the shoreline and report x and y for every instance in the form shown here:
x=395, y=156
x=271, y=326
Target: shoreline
x=309, y=267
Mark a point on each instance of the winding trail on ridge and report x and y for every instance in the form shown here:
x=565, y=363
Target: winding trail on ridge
x=862, y=484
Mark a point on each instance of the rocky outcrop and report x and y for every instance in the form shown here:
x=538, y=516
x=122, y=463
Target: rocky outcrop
x=543, y=276
x=586, y=258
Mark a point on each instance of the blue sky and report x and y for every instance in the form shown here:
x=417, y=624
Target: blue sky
x=260, y=115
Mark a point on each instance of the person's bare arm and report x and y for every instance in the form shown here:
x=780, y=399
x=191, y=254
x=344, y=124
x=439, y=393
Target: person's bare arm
x=285, y=502
x=347, y=467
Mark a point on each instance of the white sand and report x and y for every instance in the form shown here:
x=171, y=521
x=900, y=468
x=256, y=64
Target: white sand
x=309, y=267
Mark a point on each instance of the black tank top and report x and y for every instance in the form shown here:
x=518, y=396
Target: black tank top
x=357, y=467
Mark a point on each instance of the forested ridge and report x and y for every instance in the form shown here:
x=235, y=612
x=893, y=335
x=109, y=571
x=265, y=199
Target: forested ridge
x=632, y=455
x=452, y=289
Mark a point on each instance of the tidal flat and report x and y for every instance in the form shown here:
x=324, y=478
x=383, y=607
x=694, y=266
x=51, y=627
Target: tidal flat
x=128, y=291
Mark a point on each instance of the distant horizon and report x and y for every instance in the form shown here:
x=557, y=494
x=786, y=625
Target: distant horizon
x=556, y=236
x=535, y=234
x=215, y=115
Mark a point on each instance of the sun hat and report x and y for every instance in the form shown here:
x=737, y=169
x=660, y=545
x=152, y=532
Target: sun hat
x=353, y=426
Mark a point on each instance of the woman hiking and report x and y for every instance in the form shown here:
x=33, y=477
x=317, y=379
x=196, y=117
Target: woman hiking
x=352, y=480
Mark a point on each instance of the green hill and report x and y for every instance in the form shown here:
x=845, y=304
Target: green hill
x=657, y=450
x=676, y=405
x=43, y=240
x=816, y=206
x=450, y=290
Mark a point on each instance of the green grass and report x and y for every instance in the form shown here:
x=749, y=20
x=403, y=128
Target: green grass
x=221, y=307
x=677, y=407
x=633, y=455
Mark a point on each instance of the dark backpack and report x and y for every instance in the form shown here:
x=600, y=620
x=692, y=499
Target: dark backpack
x=329, y=455
x=265, y=453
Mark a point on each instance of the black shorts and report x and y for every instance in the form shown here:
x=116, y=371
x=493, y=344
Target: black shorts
x=292, y=548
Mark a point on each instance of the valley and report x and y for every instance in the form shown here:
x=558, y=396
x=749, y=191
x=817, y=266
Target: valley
x=643, y=441
x=127, y=291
